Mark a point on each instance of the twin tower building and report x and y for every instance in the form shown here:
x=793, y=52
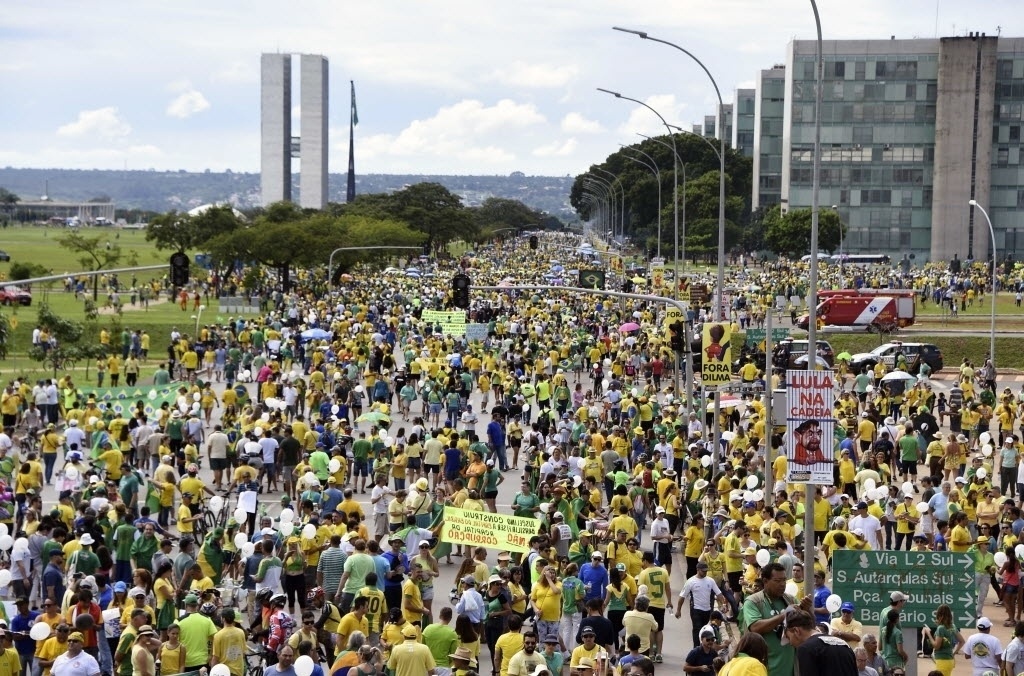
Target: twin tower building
x=278, y=145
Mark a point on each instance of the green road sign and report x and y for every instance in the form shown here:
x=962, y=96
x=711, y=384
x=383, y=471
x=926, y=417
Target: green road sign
x=756, y=336
x=928, y=578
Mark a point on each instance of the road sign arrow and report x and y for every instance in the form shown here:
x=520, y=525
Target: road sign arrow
x=966, y=619
x=966, y=599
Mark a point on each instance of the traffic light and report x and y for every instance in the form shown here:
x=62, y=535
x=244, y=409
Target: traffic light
x=460, y=291
x=179, y=268
x=533, y=242
x=677, y=336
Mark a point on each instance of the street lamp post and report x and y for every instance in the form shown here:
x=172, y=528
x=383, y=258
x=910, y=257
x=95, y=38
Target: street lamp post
x=992, y=328
x=721, y=177
x=657, y=177
x=842, y=280
x=602, y=188
x=622, y=203
x=675, y=175
x=596, y=182
x=680, y=238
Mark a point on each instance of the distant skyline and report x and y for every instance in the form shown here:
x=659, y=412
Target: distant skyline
x=443, y=86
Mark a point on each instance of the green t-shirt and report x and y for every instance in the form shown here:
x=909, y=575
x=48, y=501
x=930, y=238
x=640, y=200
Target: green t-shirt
x=196, y=631
x=949, y=636
x=361, y=451
x=358, y=567
x=85, y=561
x=780, y=657
x=124, y=538
x=124, y=650
x=908, y=447
x=572, y=593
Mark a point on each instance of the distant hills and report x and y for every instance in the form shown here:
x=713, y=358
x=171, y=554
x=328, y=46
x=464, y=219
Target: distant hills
x=182, y=190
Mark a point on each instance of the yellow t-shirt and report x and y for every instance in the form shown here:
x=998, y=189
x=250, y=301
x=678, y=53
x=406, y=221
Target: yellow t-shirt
x=548, y=600
x=184, y=513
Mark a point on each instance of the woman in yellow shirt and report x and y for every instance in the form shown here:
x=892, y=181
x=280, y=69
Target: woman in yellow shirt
x=172, y=652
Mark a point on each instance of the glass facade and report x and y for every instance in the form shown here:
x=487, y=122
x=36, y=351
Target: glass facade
x=769, y=102
x=878, y=142
x=1007, y=171
x=743, y=122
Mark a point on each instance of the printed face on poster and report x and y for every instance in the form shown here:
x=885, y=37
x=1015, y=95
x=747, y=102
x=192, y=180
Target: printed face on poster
x=810, y=427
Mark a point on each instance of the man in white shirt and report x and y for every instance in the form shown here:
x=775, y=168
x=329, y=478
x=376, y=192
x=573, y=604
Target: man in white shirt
x=217, y=451
x=868, y=523
x=983, y=649
x=380, y=496
x=1013, y=658
x=662, y=538
x=702, y=592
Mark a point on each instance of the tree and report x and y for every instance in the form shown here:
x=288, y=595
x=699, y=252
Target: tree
x=93, y=255
x=498, y=212
x=638, y=183
x=177, y=231
x=7, y=201
x=433, y=210
x=789, y=234
x=20, y=270
x=70, y=347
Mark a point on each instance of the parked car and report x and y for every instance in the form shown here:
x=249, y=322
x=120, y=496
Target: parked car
x=4, y=256
x=786, y=353
x=914, y=353
x=15, y=295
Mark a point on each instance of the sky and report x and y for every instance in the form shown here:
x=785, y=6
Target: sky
x=442, y=86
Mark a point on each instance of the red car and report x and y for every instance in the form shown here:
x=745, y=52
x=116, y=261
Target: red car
x=15, y=295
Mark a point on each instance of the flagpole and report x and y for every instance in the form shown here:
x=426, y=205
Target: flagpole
x=352, y=121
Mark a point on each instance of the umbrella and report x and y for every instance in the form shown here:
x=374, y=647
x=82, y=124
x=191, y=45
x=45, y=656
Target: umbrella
x=557, y=268
x=410, y=273
x=639, y=280
x=374, y=417
x=820, y=361
x=499, y=410
x=726, y=401
x=315, y=334
x=844, y=356
x=898, y=375
x=629, y=326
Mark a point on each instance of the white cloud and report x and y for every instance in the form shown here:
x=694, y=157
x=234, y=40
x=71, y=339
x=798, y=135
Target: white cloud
x=556, y=149
x=574, y=123
x=644, y=121
x=522, y=74
x=187, y=104
x=105, y=122
x=466, y=130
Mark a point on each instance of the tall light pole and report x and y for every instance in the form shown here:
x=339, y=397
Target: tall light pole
x=622, y=203
x=680, y=234
x=597, y=182
x=721, y=176
x=810, y=553
x=675, y=173
x=653, y=166
x=992, y=328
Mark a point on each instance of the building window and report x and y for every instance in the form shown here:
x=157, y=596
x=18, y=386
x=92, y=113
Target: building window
x=1002, y=157
x=911, y=94
x=880, y=69
x=859, y=69
x=839, y=69
x=1015, y=132
x=863, y=135
x=1004, y=69
x=844, y=196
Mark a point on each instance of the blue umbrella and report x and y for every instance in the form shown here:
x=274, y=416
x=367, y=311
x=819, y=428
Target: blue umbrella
x=315, y=334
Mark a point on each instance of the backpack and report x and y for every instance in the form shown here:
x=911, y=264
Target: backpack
x=639, y=505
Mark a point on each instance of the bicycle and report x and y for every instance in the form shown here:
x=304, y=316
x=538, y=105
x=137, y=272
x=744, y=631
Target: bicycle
x=257, y=668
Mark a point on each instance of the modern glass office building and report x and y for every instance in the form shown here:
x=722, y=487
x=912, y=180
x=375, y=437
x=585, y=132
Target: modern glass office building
x=911, y=131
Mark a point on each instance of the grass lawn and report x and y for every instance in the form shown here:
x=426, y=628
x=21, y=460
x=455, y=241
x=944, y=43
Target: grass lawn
x=37, y=245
